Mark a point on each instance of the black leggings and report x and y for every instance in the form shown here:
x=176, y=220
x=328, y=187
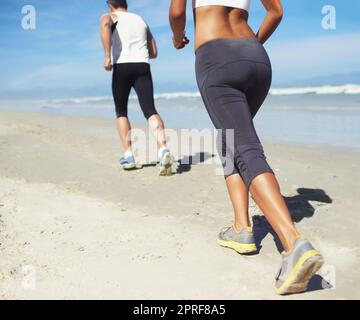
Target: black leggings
x=234, y=77
x=137, y=76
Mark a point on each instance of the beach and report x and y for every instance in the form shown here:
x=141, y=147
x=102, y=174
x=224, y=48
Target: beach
x=73, y=225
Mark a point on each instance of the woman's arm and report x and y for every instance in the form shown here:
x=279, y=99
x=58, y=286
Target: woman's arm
x=177, y=17
x=153, y=51
x=106, y=36
x=272, y=20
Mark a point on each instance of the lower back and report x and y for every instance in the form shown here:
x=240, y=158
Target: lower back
x=219, y=22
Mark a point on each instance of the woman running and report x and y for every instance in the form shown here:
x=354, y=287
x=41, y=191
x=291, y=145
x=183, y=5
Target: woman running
x=234, y=73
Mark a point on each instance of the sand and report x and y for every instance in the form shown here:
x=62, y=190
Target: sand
x=73, y=225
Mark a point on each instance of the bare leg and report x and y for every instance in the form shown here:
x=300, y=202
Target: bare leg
x=124, y=129
x=266, y=192
x=158, y=129
x=239, y=196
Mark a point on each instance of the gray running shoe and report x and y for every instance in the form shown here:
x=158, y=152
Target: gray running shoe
x=298, y=267
x=242, y=241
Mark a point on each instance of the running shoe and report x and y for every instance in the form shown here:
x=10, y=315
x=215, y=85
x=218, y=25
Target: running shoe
x=241, y=241
x=166, y=162
x=298, y=267
x=127, y=163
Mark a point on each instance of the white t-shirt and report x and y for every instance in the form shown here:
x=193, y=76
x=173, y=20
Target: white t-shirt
x=130, y=38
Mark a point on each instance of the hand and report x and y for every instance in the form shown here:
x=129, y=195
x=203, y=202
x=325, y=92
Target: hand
x=107, y=64
x=181, y=43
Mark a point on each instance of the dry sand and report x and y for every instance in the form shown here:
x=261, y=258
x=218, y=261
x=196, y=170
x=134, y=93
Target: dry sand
x=74, y=226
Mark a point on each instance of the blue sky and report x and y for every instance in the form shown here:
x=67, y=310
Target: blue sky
x=64, y=52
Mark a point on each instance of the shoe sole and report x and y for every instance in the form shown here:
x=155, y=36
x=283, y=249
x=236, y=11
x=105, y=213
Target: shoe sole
x=128, y=167
x=238, y=247
x=166, y=168
x=298, y=280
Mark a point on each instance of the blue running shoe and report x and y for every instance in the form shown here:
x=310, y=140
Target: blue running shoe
x=127, y=163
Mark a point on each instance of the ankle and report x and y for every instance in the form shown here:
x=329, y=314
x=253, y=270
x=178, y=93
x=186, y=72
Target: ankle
x=239, y=226
x=289, y=240
x=161, y=150
x=128, y=153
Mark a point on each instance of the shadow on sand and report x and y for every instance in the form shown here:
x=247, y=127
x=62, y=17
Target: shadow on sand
x=186, y=162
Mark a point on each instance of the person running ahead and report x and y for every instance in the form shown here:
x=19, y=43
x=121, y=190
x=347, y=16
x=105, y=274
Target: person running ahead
x=129, y=45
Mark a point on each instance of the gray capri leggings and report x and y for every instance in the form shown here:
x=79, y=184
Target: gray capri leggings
x=234, y=78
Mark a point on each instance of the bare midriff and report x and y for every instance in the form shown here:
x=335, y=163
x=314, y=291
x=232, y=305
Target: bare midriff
x=219, y=22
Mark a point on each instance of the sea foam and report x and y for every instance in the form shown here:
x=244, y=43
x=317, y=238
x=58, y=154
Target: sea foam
x=348, y=89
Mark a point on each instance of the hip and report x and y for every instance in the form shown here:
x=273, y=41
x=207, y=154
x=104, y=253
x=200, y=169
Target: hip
x=129, y=70
x=244, y=53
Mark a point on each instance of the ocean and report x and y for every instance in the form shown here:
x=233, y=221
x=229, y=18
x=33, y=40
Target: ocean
x=321, y=115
